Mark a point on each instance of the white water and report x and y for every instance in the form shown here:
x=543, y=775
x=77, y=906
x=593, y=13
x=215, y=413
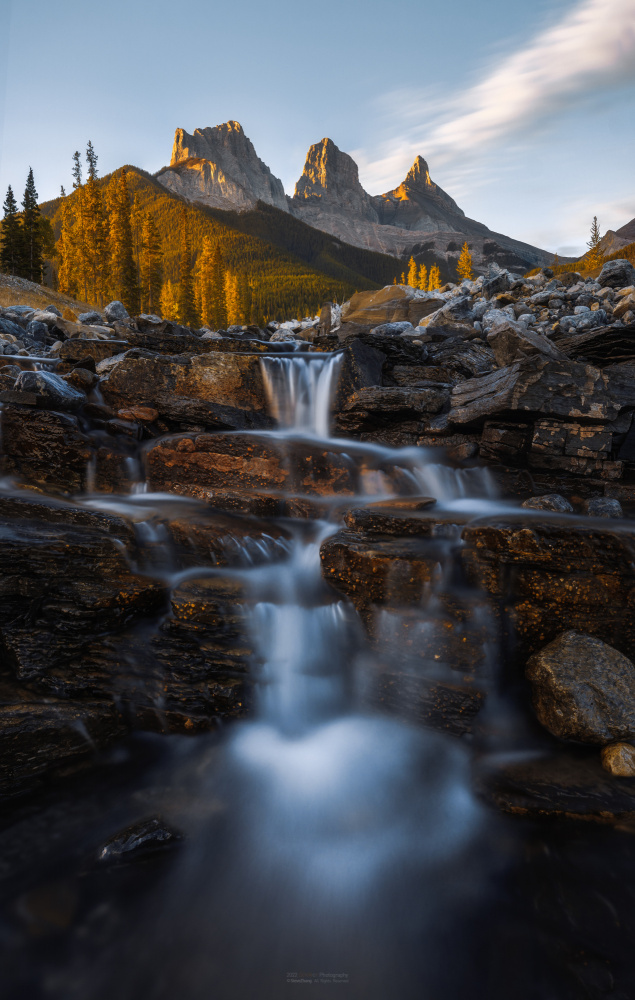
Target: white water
x=300, y=389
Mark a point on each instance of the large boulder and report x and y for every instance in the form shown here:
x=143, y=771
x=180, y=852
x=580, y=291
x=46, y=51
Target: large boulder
x=512, y=341
x=583, y=689
x=116, y=311
x=391, y=304
x=617, y=274
x=52, y=391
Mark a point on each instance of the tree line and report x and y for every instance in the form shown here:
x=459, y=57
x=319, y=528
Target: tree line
x=26, y=236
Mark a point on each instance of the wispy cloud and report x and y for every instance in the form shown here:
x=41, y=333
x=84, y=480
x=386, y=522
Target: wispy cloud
x=589, y=50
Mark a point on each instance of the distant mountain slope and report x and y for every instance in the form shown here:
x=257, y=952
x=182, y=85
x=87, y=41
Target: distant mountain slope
x=219, y=168
x=292, y=267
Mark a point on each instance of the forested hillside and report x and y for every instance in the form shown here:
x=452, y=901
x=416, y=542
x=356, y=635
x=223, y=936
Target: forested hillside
x=279, y=265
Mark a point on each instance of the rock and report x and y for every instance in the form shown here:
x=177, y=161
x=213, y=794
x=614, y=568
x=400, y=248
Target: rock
x=625, y=305
x=51, y=388
x=393, y=329
x=116, y=311
x=52, y=309
x=497, y=317
x=583, y=689
x=603, y=507
x=144, y=413
x=138, y=840
x=222, y=390
x=617, y=274
x=586, y=320
x=540, y=385
x=282, y=336
x=78, y=351
x=81, y=379
x=389, y=305
x=619, y=760
x=549, y=501
x=10, y=328
x=513, y=341
x=93, y=317
x=38, y=331
x=498, y=283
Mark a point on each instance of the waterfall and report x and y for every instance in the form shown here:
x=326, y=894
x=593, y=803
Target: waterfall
x=299, y=390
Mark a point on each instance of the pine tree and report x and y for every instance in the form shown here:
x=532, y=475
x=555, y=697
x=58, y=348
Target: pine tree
x=151, y=266
x=434, y=281
x=11, y=249
x=32, y=259
x=423, y=278
x=187, y=305
x=464, y=265
x=595, y=257
x=122, y=265
x=413, y=273
x=81, y=262
x=232, y=298
x=62, y=192
x=169, y=302
x=96, y=232
x=205, y=279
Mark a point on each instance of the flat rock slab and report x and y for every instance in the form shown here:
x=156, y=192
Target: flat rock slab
x=562, y=786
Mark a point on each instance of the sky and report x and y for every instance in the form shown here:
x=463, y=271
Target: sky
x=525, y=113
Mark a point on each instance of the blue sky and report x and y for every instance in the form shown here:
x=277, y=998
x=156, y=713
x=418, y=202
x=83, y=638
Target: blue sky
x=525, y=113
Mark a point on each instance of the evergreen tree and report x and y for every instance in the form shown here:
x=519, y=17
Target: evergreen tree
x=232, y=298
x=595, y=257
x=96, y=232
x=423, y=278
x=169, y=302
x=81, y=261
x=205, y=280
x=62, y=192
x=151, y=266
x=32, y=257
x=11, y=249
x=66, y=275
x=464, y=265
x=122, y=265
x=413, y=273
x=434, y=281
x=217, y=305
x=187, y=305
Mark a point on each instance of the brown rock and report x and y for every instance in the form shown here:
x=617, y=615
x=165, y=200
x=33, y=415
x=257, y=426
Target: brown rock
x=514, y=341
x=144, y=413
x=583, y=689
x=619, y=760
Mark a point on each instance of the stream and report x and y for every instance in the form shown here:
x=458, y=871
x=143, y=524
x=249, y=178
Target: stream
x=320, y=845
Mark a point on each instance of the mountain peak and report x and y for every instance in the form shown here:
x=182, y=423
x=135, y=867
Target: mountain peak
x=219, y=167
x=330, y=179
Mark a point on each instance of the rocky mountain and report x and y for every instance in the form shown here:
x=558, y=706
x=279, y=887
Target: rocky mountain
x=614, y=240
x=219, y=167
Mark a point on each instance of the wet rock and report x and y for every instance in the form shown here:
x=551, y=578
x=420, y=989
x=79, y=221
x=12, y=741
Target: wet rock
x=513, y=341
x=213, y=390
x=603, y=507
x=116, y=311
x=52, y=389
x=619, y=760
x=78, y=351
x=38, y=736
x=81, y=379
x=201, y=464
x=549, y=501
x=138, y=840
x=583, y=689
x=391, y=415
x=144, y=413
x=361, y=366
x=617, y=274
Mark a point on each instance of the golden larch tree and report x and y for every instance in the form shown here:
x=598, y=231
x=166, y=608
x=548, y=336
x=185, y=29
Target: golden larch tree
x=151, y=265
x=434, y=281
x=423, y=278
x=464, y=265
x=412, y=273
x=595, y=257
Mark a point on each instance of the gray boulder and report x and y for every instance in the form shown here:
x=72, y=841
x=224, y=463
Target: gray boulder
x=116, y=311
x=603, y=507
x=583, y=689
x=7, y=326
x=513, y=341
x=617, y=274
x=37, y=331
x=89, y=318
x=52, y=309
x=549, y=501
x=6, y=347
x=52, y=388
x=393, y=329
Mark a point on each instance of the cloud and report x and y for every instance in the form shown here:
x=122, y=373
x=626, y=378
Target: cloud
x=589, y=50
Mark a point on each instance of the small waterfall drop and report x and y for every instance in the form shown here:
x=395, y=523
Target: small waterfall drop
x=299, y=390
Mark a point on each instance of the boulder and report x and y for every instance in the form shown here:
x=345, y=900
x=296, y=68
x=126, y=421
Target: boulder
x=7, y=326
x=583, y=689
x=617, y=274
x=549, y=501
x=52, y=309
x=116, y=311
x=393, y=329
x=513, y=341
x=91, y=317
x=389, y=305
x=619, y=760
x=603, y=507
x=37, y=331
x=52, y=390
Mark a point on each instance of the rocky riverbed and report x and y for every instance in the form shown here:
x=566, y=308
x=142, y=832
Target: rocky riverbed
x=472, y=506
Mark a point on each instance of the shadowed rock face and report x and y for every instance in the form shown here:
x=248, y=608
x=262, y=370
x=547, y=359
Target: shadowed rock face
x=219, y=166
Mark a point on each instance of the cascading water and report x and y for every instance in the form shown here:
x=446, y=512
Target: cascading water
x=299, y=390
